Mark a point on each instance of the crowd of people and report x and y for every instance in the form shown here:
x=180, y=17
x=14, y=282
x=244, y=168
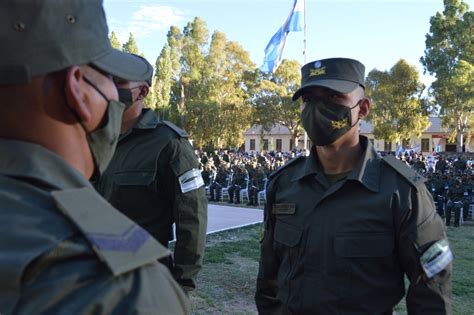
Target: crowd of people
x=450, y=176
x=234, y=171
x=450, y=179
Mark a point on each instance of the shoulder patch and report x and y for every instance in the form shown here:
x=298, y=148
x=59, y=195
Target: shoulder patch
x=120, y=243
x=278, y=170
x=409, y=174
x=180, y=132
x=436, y=258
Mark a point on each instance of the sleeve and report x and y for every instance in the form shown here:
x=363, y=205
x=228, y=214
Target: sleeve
x=189, y=205
x=424, y=252
x=70, y=279
x=267, y=286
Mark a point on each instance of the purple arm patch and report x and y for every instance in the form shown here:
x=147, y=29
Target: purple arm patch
x=130, y=241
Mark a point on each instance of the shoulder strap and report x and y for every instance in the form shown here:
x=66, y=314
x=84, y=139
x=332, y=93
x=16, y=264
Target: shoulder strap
x=180, y=132
x=409, y=174
x=120, y=243
x=291, y=162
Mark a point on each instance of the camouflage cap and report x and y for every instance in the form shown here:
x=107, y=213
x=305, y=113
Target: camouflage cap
x=43, y=36
x=339, y=74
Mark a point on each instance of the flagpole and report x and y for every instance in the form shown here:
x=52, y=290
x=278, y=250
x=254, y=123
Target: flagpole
x=304, y=33
x=304, y=55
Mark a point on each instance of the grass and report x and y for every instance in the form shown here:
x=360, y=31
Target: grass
x=226, y=285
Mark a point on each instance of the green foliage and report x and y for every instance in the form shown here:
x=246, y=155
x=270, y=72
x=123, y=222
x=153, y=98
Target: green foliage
x=202, y=85
x=272, y=98
x=398, y=110
x=449, y=55
x=114, y=42
x=130, y=46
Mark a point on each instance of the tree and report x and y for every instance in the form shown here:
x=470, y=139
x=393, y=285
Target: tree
x=114, y=42
x=398, y=109
x=223, y=79
x=449, y=55
x=130, y=46
x=203, y=87
x=163, y=82
x=273, y=99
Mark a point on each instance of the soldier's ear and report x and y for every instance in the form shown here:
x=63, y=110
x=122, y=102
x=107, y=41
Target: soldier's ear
x=364, y=108
x=144, y=90
x=76, y=97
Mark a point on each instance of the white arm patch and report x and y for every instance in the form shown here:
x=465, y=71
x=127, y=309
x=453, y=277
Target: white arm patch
x=191, y=180
x=436, y=258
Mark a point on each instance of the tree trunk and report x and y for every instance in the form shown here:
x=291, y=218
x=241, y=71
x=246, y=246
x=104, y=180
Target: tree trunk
x=459, y=141
x=459, y=134
x=181, y=104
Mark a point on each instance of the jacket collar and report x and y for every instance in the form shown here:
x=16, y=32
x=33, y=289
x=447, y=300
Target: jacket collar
x=367, y=170
x=148, y=120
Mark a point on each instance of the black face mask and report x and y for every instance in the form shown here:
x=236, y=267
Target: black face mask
x=325, y=121
x=126, y=96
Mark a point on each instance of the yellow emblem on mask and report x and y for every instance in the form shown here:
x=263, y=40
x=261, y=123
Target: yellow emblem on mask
x=338, y=124
x=316, y=72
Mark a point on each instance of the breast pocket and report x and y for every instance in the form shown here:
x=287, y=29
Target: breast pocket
x=132, y=189
x=369, y=260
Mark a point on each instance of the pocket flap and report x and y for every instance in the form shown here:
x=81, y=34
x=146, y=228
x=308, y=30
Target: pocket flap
x=134, y=178
x=287, y=234
x=364, y=245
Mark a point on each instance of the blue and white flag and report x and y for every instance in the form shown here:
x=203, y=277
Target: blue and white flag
x=399, y=150
x=274, y=49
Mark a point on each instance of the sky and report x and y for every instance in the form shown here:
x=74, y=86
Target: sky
x=376, y=32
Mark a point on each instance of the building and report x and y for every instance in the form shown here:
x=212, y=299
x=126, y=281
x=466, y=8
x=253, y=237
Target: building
x=435, y=138
x=278, y=139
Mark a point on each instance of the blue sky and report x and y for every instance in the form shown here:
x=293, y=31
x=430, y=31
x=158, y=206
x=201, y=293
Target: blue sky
x=376, y=32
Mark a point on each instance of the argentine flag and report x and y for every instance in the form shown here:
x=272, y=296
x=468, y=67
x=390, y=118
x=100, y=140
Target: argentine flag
x=274, y=49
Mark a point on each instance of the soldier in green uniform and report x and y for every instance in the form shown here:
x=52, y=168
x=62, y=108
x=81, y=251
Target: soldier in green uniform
x=342, y=226
x=63, y=248
x=456, y=196
x=154, y=179
x=257, y=184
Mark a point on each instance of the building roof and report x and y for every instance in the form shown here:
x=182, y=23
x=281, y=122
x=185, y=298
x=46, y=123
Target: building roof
x=434, y=127
x=277, y=129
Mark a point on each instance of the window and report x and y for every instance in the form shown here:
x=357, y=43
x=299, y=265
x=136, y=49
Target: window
x=252, y=144
x=425, y=145
x=291, y=144
x=387, y=146
x=371, y=141
x=278, y=145
x=265, y=144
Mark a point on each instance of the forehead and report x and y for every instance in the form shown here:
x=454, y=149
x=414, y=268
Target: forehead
x=321, y=91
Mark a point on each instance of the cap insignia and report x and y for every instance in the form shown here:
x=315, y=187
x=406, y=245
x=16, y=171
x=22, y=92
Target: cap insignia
x=317, y=72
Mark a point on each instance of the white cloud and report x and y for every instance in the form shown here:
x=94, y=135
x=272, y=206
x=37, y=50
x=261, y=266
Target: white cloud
x=150, y=18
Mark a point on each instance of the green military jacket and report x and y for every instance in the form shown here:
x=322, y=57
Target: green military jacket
x=345, y=248
x=65, y=250
x=154, y=179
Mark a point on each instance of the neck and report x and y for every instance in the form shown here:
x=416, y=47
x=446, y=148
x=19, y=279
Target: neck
x=339, y=157
x=69, y=143
x=130, y=117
